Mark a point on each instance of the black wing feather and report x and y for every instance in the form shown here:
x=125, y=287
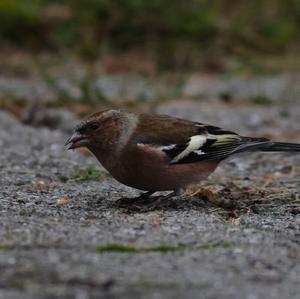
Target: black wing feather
x=219, y=145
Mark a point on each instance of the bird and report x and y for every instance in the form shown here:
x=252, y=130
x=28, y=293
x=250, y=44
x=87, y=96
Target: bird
x=152, y=152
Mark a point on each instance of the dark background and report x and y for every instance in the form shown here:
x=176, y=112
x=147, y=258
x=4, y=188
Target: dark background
x=173, y=34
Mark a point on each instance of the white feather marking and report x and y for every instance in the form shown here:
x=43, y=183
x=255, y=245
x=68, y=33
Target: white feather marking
x=195, y=144
x=127, y=128
x=161, y=148
x=199, y=152
x=168, y=147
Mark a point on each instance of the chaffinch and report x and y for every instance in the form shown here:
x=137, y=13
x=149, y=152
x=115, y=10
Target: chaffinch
x=161, y=153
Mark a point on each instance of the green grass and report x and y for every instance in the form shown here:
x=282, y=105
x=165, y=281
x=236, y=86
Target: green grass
x=84, y=174
x=261, y=100
x=4, y=246
x=176, y=31
x=121, y=248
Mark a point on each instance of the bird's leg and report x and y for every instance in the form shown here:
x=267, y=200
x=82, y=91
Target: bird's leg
x=173, y=193
x=135, y=200
x=158, y=201
x=146, y=194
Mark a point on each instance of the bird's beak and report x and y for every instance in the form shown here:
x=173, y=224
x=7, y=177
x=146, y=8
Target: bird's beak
x=77, y=140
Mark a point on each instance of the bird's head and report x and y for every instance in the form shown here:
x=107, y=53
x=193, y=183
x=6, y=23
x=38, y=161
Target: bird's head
x=97, y=130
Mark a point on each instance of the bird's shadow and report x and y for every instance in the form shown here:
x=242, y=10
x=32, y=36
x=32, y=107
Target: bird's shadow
x=154, y=204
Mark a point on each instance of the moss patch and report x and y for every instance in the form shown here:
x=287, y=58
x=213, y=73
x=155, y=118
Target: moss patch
x=153, y=285
x=84, y=174
x=121, y=248
x=131, y=249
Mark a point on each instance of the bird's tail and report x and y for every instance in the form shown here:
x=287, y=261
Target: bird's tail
x=281, y=147
x=265, y=145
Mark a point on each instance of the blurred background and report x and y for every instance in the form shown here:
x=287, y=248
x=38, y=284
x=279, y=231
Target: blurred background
x=141, y=54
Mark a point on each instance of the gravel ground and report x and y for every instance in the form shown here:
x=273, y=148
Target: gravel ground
x=119, y=88
x=238, y=238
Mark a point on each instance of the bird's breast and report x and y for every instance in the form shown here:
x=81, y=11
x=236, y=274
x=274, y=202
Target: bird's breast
x=151, y=172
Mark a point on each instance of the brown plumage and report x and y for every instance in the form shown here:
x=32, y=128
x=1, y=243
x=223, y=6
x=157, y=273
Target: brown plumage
x=161, y=153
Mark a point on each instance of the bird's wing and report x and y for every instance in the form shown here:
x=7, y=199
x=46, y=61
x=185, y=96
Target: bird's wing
x=183, y=141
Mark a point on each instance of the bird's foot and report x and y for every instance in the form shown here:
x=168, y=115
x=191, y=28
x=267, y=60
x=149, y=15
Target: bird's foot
x=153, y=203
x=134, y=200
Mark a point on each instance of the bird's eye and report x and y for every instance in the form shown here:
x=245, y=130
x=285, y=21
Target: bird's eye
x=94, y=126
